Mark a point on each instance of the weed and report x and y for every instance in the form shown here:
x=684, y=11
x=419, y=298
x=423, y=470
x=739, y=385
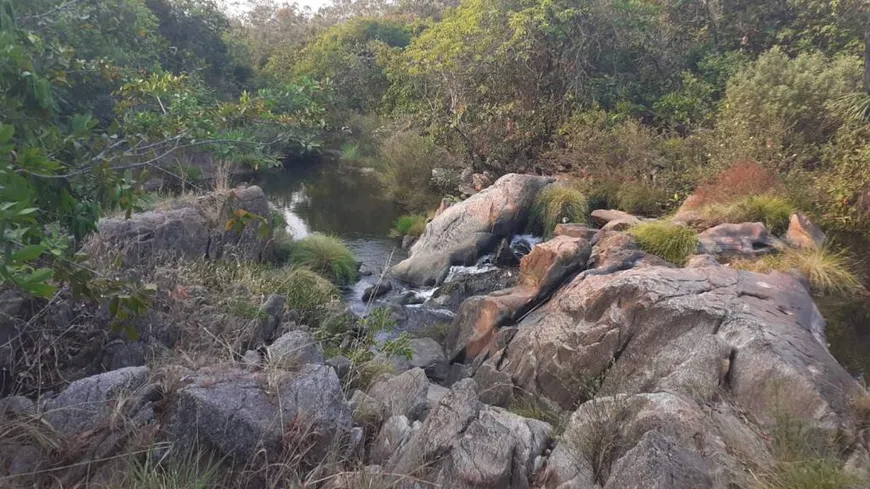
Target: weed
x=327, y=256
x=350, y=153
x=771, y=210
x=829, y=272
x=192, y=472
x=668, y=241
x=640, y=199
x=559, y=204
x=598, y=439
x=410, y=225
x=532, y=408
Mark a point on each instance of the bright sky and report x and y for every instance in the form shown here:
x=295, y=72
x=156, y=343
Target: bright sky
x=237, y=6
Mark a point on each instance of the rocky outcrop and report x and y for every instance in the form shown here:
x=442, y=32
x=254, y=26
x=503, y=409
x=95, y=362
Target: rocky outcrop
x=191, y=230
x=403, y=395
x=575, y=231
x=746, y=240
x=602, y=217
x=466, y=444
x=689, y=331
x=232, y=412
x=451, y=294
x=468, y=230
x=802, y=233
x=541, y=272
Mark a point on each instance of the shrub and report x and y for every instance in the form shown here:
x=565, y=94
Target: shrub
x=559, y=203
x=829, y=272
x=408, y=160
x=409, y=225
x=307, y=293
x=327, y=256
x=666, y=240
x=773, y=211
x=640, y=199
x=742, y=179
x=825, y=473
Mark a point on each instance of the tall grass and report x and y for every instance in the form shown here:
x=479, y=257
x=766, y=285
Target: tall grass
x=327, y=256
x=666, y=240
x=558, y=204
x=829, y=272
x=772, y=210
x=409, y=225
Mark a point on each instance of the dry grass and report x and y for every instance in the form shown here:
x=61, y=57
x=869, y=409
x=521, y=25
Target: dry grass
x=829, y=272
x=742, y=179
x=772, y=210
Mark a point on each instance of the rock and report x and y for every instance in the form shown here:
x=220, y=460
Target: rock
x=393, y=435
x=689, y=331
x=435, y=394
x=149, y=236
x=802, y=233
x=27, y=459
x=427, y=354
x=746, y=240
x=294, y=349
x=701, y=261
x=230, y=411
x=603, y=216
x=367, y=411
x=465, y=444
x=252, y=360
x=245, y=244
x=505, y=256
x=269, y=317
x=16, y=405
x=87, y=404
x=377, y=290
x=618, y=225
x=541, y=272
x=642, y=440
x=480, y=181
x=620, y=251
x=452, y=294
x=445, y=204
x=404, y=394
x=341, y=365
x=408, y=241
x=468, y=230
x=119, y=354
x=575, y=231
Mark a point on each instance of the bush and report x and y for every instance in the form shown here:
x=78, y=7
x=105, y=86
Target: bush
x=640, y=199
x=559, y=203
x=773, y=211
x=308, y=294
x=327, y=256
x=408, y=159
x=666, y=240
x=829, y=272
x=740, y=180
x=409, y=225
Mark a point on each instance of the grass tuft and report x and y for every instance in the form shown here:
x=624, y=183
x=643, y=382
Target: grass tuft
x=557, y=204
x=666, y=240
x=773, y=211
x=409, y=225
x=829, y=272
x=327, y=256
x=640, y=199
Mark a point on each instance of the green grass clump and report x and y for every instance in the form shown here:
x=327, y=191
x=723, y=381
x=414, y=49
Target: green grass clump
x=829, y=272
x=409, y=225
x=327, y=256
x=557, y=204
x=307, y=293
x=640, y=199
x=666, y=240
x=771, y=210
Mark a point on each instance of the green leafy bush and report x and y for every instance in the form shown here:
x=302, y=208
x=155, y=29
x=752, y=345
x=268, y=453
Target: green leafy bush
x=640, y=199
x=666, y=240
x=408, y=160
x=559, y=203
x=328, y=256
x=771, y=210
x=409, y=225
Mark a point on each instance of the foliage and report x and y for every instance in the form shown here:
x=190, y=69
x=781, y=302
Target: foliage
x=741, y=179
x=666, y=240
x=829, y=272
x=410, y=225
x=640, y=199
x=559, y=203
x=328, y=256
x=771, y=210
x=408, y=159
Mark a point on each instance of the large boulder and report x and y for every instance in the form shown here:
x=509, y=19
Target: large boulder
x=466, y=444
x=452, y=294
x=468, y=230
x=245, y=241
x=602, y=217
x=691, y=331
x=541, y=272
x=293, y=349
x=236, y=414
x=745, y=240
x=404, y=394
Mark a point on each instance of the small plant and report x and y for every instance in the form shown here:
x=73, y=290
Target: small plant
x=771, y=210
x=307, y=293
x=559, y=204
x=532, y=408
x=829, y=272
x=194, y=472
x=666, y=240
x=640, y=198
x=351, y=153
x=409, y=225
x=327, y=256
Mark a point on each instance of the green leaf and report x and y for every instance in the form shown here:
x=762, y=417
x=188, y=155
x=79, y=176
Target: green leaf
x=40, y=275
x=28, y=253
x=6, y=133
